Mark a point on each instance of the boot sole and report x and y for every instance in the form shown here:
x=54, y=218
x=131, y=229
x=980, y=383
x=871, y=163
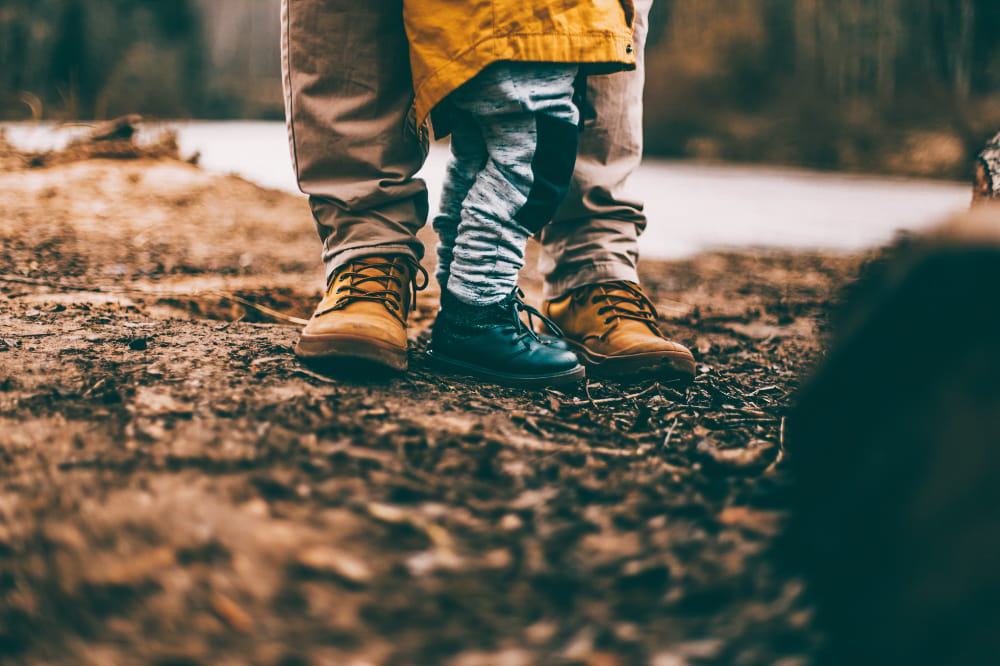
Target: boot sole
x=565, y=378
x=671, y=365
x=351, y=348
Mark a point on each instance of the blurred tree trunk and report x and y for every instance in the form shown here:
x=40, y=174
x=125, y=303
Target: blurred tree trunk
x=890, y=38
x=962, y=49
x=243, y=47
x=87, y=58
x=856, y=47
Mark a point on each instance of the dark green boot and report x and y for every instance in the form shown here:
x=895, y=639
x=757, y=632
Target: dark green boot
x=492, y=343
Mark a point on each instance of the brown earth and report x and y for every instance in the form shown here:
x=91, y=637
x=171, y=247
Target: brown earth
x=176, y=489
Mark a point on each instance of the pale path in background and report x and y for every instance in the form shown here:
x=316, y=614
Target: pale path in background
x=692, y=207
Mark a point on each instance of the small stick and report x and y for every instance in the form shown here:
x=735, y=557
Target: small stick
x=314, y=375
x=586, y=389
x=260, y=308
x=605, y=401
x=762, y=389
x=781, y=448
x=541, y=446
x=670, y=433
x=532, y=425
x=33, y=335
x=672, y=469
x=268, y=359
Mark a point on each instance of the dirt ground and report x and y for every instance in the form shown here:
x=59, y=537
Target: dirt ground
x=175, y=488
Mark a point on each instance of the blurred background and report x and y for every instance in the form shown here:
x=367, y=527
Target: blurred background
x=906, y=87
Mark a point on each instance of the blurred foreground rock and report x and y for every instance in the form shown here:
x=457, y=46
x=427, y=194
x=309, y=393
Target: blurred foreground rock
x=896, y=446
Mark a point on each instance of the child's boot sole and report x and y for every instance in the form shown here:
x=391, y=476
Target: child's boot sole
x=564, y=378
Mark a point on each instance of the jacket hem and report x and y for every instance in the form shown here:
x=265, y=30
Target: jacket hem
x=597, y=52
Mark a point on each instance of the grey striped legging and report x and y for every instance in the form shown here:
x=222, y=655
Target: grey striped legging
x=513, y=149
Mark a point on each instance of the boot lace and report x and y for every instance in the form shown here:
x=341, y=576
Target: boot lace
x=385, y=274
x=523, y=332
x=613, y=297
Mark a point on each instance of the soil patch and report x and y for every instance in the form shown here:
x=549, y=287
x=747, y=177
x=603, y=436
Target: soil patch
x=176, y=488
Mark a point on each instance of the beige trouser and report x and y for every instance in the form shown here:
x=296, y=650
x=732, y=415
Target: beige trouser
x=355, y=149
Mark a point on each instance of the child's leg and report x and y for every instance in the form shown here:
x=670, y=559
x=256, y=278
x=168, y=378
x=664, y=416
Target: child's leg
x=468, y=156
x=528, y=124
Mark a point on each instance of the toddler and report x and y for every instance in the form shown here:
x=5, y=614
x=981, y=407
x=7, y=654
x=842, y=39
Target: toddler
x=513, y=147
x=501, y=76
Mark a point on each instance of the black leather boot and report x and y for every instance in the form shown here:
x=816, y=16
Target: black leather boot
x=555, y=339
x=492, y=343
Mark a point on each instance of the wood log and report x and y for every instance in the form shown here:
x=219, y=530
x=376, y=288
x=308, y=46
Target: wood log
x=895, y=445
x=987, y=183
x=117, y=129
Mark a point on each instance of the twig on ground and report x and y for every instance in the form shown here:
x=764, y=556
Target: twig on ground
x=745, y=411
x=539, y=421
x=314, y=375
x=762, y=389
x=267, y=359
x=541, y=446
x=672, y=469
x=532, y=425
x=670, y=433
x=32, y=335
x=442, y=540
x=781, y=448
x=605, y=401
x=261, y=308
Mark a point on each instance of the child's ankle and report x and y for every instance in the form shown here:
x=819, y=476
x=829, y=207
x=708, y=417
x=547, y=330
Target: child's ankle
x=458, y=312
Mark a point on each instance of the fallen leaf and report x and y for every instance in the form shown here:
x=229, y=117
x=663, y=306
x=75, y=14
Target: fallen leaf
x=764, y=522
x=232, y=614
x=131, y=571
x=334, y=562
x=755, y=456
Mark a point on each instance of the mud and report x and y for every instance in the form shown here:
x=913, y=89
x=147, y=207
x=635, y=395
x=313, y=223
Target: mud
x=175, y=488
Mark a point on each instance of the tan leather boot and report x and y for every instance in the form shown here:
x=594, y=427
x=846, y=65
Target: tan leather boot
x=363, y=315
x=612, y=328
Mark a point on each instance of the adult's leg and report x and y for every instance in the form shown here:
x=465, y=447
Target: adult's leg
x=594, y=237
x=591, y=250
x=348, y=93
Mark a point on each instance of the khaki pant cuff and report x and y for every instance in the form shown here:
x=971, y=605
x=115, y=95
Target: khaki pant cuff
x=596, y=273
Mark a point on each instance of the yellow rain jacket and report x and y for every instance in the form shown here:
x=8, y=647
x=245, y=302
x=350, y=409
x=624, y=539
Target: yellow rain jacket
x=453, y=40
